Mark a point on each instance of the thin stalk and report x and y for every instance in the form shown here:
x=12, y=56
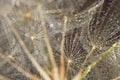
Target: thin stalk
x=78, y=76
x=62, y=66
x=53, y=11
x=88, y=69
x=32, y=59
x=117, y=78
x=47, y=42
x=19, y=68
x=4, y=78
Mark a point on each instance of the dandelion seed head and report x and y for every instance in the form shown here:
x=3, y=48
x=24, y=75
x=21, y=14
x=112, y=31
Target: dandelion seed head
x=99, y=24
